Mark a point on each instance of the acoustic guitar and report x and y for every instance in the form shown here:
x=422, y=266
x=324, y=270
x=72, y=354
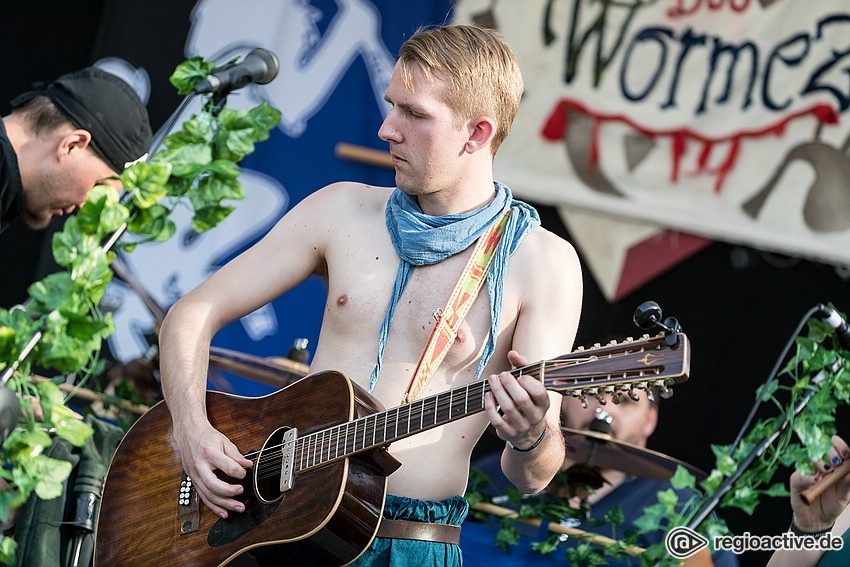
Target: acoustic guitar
x=320, y=460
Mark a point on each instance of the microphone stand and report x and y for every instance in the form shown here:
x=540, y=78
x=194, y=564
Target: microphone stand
x=712, y=503
x=709, y=506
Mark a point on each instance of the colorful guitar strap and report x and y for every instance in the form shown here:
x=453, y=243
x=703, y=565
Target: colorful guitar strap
x=461, y=299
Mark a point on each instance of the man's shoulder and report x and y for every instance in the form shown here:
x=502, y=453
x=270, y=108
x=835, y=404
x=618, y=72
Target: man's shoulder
x=349, y=198
x=348, y=192
x=356, y=188
x=543, y=241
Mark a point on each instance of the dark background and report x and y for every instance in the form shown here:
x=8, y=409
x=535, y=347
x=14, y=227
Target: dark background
x=739, y=306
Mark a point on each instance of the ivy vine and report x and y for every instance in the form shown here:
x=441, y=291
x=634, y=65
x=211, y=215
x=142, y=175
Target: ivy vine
x=197, y=167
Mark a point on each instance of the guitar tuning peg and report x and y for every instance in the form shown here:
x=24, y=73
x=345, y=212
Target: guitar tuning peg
x=650, y=395
x=612, y=342
x=617, y=398
x=635, y=397
x=583, y=399
x=645, y=336
x=580, y=348
x=629, y=339
x=595, y=393
x=597, y=345
x=664, y=390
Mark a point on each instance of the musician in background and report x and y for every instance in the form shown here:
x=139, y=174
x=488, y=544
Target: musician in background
x=631, y=422
x=60, y=140
x=64, y=137
x=390, y=258
x=826, y=515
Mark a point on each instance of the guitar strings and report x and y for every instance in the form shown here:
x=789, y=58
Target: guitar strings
x=321, y=447
x=309, y=451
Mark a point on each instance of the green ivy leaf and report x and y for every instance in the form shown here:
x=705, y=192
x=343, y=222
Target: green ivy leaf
x=56, y=291
x=585, y=554
x=213, y=189
x=61, y=350
x=724, y=461
x=73, y=247
x=25, y=444
x=8, y=551
x=744, y=498
x=16, y=328
x=102, y=212
x=153, y=223
x=682, y=479
x=146, y=182
x=69, y=427
x=548, y=545
x=507, y=536
x=190, y=72
x=51, y=475
x=209, y=217
x=186, y=160
x=615, y=516
x=197, y=130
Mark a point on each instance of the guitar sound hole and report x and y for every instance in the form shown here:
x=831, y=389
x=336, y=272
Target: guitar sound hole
x=267, y=468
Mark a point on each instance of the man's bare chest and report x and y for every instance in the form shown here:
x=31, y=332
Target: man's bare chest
x=360, y=300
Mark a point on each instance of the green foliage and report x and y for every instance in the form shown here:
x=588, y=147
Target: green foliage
x=804, y=398
x=197, y=167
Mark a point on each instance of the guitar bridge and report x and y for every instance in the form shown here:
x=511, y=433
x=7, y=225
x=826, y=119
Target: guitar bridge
x=188, y=507
x=288, y=462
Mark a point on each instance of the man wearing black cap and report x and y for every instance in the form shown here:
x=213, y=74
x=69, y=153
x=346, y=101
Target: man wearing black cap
x=63, y=138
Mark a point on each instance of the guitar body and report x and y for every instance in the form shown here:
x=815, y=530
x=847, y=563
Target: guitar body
x=331, y=513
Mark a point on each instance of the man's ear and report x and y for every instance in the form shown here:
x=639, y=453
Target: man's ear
x=72, y=141
x=481, y=132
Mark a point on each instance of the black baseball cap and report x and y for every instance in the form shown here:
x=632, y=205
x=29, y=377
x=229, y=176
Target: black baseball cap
x=104, y=105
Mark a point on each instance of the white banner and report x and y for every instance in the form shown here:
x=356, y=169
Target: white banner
x=721, y=118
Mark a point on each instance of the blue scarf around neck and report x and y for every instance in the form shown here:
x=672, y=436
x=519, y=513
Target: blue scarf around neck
x=422, y=240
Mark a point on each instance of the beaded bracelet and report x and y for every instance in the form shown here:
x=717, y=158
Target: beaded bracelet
x=536, y=443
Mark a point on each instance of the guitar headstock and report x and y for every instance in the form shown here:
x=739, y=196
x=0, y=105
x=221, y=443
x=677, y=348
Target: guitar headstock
x=621, y=369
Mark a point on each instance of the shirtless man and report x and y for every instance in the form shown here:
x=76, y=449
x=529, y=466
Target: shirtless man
x=453, y=93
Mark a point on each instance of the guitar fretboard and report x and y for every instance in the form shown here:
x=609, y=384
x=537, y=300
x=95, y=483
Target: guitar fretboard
x=383, y=428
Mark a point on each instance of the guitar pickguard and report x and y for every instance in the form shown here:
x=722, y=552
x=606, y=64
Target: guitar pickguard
x=257, y=510
x=226, y=530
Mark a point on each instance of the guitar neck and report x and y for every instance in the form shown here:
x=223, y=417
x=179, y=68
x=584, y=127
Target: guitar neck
x=383, y=428
x=613, y=370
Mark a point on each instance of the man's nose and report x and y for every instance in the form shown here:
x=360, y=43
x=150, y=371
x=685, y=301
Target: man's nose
x=387, y=132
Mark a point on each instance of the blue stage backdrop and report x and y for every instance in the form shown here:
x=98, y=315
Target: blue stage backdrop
x=336, y=59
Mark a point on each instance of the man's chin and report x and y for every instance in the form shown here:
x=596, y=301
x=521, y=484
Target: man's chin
x=36, y=222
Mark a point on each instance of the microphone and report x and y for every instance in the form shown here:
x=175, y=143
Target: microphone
x=259, y=66
x=833, y=319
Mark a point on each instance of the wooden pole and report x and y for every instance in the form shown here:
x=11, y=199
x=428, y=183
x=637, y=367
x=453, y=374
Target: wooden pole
x=365, y=155
x=553, y=527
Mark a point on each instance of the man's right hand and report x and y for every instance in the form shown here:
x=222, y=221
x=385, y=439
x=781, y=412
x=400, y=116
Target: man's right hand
x=204, y=454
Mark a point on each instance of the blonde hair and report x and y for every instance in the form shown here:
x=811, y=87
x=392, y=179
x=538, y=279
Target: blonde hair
x=481, y=74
